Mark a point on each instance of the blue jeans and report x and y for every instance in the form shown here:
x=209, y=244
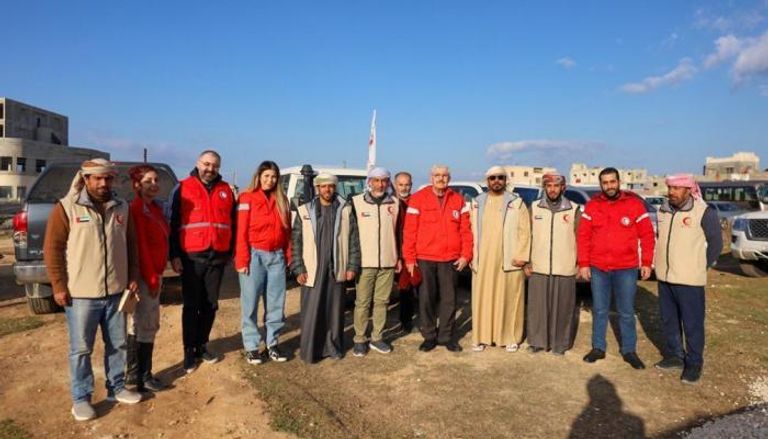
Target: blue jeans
x=83, y=318
x=266, y=279
x=623, y=283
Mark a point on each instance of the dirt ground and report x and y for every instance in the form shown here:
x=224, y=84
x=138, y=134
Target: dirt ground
x=406, y=393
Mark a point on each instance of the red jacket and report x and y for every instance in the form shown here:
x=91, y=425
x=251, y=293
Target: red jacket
x=206, y=218
x=259, y=226
x=436, y=233
x=609, y=232
x=152, y=237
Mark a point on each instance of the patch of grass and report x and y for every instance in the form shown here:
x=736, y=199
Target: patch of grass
x=9, y=430
x=19, y=324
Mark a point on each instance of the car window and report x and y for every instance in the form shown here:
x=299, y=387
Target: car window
x=55, y=183
x=350, y=186
x=468, y=192
x=527, y=194
x=575, y=197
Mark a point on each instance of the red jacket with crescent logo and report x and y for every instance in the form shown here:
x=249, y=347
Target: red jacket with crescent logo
x=436, y=233
x=609, y=231
x=259, y=226
x=152, y=237
x=206, y=218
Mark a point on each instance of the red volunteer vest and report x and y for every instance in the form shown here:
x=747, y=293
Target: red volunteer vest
x=206, y=218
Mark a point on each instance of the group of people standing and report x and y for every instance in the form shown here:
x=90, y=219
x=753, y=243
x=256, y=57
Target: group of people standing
x=385, y=238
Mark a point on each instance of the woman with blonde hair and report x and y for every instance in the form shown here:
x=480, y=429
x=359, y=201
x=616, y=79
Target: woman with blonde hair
x=261, y=255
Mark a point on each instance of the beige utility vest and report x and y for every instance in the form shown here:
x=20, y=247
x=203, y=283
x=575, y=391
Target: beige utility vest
x=681, y=250
x=97, y=247
x=553, y=240
x=377, y=226
x=308, y=220
x=512, y=205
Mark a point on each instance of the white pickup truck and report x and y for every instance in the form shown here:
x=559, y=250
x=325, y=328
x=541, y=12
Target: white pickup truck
x=749, y=243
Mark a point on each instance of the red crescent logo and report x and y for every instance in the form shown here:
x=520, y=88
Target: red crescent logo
x=687, y=221
x=566, y=218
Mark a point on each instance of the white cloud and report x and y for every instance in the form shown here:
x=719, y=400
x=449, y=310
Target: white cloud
x=726, y=47
x=670, y=40
x=736, y=20
x=121, y=148
x=752, y=59
x=685, y=70
x=749, y=55
x=552, y=147
x=566, y=62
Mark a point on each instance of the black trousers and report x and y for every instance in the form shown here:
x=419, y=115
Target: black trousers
x=437, y=300
x=407, y=305
x=200, y=284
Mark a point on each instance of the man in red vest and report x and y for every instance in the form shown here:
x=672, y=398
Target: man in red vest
x=203, y=212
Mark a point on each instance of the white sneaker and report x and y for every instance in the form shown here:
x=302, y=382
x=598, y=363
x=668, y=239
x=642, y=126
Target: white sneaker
x=512, y=347
x=83, y=411
x=126, y=397
x=478, y=347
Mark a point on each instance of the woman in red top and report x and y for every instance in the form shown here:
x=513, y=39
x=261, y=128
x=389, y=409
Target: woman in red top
x=152, y=237
x=261, y=255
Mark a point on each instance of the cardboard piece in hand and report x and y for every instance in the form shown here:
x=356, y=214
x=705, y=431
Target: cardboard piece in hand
x=128, y=302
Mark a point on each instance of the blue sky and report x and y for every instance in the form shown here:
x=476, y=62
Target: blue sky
x=654, y=84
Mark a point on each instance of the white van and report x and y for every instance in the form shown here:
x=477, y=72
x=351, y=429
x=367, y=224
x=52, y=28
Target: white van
x=351, y=182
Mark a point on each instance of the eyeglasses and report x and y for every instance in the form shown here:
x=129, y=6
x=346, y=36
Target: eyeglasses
x=497, y=177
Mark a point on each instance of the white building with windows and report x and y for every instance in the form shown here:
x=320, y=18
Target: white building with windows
x=31, y=138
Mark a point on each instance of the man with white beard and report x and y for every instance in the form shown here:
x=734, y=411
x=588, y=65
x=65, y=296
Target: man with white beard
x=376, y=211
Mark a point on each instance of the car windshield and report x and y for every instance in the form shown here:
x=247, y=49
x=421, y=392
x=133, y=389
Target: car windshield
x=349, y=185
x=727, y=207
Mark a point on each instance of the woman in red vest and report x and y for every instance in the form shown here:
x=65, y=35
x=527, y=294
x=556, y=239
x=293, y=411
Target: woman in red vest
x=152, y=238
x=261, y=255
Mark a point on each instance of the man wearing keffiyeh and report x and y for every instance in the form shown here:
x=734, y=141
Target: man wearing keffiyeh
x=690, y=242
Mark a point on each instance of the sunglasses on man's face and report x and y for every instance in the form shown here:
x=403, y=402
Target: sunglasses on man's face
x=497, y=177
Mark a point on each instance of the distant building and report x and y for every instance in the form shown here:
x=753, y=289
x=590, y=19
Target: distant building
x=31, y=138
x=740, y=166
x=528, y=175
x=583, y=175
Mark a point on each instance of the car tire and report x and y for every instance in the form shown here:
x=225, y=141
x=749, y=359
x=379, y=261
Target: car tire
x=43, y=305
x=754, y=269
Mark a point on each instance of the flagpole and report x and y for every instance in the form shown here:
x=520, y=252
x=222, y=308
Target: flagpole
x=372, y=144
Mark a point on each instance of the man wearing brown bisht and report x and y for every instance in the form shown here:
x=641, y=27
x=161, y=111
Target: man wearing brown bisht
x=552, y=285
x=502, y=236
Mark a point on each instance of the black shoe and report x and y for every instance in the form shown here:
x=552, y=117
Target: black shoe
x=276, y=355
x=254, y=357
x=360, y=349
x=381, y=346
x=190, y=360
x=691, y=374
x=406, y=327
x=427, y=345
x=669, y=363
x=453, y=347
x=207, y=356
x=594, y=355
x=633, y=360
x=534, y=349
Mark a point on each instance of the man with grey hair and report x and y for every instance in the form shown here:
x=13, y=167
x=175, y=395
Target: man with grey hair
x=437, y=241
x=203, y=214
x=91, y=257
x=326, y=255
x=376, y=212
